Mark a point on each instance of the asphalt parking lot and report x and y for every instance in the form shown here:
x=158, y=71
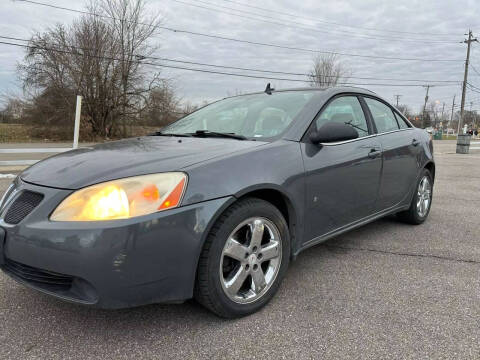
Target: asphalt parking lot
x=387, y=290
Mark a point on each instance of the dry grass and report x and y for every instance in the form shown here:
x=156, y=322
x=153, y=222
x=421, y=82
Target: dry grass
x=15, y=133
x=34, y=133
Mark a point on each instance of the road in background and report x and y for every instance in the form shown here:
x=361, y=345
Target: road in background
x=386, y=290
x=30, y=152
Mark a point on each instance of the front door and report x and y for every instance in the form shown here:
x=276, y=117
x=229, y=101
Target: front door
x=342, y=179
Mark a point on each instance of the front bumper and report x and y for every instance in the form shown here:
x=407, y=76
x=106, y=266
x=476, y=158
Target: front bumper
x=111, y=264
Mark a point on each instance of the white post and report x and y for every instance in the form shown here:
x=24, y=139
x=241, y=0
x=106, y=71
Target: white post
x=76, y=130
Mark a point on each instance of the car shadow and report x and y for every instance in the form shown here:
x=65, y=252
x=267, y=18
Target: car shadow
x=22, y=302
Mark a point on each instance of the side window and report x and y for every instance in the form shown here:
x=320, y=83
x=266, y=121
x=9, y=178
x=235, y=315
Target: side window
x=382, y=115
x=347, y=110
x=401, y=122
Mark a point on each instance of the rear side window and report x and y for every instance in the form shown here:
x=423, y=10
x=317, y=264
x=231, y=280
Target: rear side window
x=401, y=122
x=382, y=115
x=347, y=110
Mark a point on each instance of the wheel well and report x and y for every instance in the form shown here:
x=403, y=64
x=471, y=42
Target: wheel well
x=282, y=203
x=431, y=167
x=276, y=198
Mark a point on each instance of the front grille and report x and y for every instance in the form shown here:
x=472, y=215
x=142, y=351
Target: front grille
x=37, y=276
x=22, y=206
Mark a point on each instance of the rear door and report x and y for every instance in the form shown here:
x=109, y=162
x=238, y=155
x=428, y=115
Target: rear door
x=342, y=179
x=399, y=153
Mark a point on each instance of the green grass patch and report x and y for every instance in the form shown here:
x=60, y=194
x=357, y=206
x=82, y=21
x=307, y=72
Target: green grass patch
x=449, y=137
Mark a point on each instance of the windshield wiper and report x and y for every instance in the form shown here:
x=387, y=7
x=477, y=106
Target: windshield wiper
x=159, y=133
x=207, y=133
x=202, y=133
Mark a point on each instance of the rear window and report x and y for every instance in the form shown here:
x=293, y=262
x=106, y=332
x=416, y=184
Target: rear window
x=401, y=121
x=382, y=115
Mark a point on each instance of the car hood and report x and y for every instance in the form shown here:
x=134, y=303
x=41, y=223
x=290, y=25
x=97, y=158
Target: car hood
x=145, y=155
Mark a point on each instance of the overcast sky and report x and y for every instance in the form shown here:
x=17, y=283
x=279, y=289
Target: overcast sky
x=405, y=29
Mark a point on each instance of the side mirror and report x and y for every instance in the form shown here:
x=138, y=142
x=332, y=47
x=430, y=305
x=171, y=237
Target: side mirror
x=333, y=132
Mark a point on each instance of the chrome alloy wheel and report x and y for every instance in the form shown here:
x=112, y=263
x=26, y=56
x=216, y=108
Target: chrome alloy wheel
x=251, y=259
x=424, y=196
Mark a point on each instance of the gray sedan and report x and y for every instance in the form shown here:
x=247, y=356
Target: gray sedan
x=215, y=205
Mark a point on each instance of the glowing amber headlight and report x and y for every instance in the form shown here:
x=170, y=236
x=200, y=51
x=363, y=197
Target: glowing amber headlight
x=123, y=198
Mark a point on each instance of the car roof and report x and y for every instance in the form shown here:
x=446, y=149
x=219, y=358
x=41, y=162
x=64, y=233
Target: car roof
x=331, y=90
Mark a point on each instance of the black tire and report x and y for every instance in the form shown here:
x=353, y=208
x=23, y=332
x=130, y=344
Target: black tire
x=412, y=216
x=208, y=288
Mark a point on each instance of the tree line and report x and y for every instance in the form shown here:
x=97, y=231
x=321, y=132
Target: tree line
x=102, y=57
x=99, y=56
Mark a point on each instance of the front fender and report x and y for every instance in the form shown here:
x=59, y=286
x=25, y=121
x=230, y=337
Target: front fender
x=276, y=166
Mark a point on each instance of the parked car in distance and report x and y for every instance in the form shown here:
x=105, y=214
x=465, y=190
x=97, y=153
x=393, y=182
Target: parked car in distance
x=215, y=205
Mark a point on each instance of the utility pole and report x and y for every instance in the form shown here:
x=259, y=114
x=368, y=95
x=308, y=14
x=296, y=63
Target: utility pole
x=398, y=97
x=442, y=118
x=453, y=106
x=465, y=77
x=425, y=105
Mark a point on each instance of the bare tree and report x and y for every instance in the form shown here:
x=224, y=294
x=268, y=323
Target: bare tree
x=432, y=113
x=405, y=110
x=328, y=70
x=163, y=105
x=132, y=29
x=13, y=110
x=189, y=108
x=99, y=57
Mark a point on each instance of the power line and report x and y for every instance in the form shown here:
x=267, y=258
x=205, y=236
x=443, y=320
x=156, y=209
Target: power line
x=153, y=64
x=473, y=68
x=246, y=68
x=443, y=98
x=473, y=88
x=226, y=38
x=203, y=70
x=317, y=51
x=456, y=107
x=334, y=23
x=282, y=22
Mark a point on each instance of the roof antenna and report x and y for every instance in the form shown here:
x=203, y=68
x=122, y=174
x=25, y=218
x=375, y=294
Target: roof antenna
x=269, y=89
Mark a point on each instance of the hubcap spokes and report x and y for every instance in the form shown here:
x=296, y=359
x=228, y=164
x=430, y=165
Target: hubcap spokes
x=250, y=260
x=424, y=194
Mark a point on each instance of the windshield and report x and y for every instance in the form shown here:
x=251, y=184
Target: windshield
x=252, y=116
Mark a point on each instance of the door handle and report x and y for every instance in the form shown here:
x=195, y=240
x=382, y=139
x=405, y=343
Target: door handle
x=415, y=142
x=374, y=152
